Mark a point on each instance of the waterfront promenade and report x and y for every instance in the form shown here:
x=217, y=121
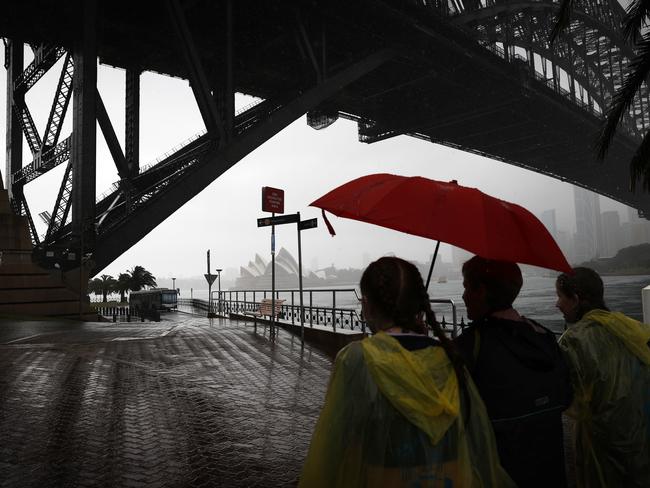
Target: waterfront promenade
x=187, y=402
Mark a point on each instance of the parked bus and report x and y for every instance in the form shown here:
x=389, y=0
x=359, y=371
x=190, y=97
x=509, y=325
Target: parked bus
x=154, y=299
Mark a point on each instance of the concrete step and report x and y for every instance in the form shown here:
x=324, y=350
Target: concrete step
x=26, y=288
x=44, y=308
x=28, y=281
x=18, y=295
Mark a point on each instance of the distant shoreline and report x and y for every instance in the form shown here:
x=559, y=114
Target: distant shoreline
x=629, y=273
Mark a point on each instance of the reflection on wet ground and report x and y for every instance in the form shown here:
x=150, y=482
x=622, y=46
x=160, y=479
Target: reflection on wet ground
x=184, y=402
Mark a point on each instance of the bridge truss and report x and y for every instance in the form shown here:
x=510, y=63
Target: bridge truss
x=476, y=76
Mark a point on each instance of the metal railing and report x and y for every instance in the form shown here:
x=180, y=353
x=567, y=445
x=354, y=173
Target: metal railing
x=454, y=316
x=125, y=313
x=319, y=306
x=338, y=308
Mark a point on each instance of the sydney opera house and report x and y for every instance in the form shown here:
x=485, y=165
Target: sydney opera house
x=257, y=275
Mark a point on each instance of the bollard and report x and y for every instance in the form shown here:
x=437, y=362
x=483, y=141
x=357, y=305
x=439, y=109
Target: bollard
x=645, y=299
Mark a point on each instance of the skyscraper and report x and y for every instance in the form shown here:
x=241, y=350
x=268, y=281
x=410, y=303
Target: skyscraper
x=636, y=230
x=612, y=234
x=548, y=219
x=588, y=239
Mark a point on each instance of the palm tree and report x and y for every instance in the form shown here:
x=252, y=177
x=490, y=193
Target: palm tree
x=123, y=284
x=140, y=278
x=95, y=286
x=636, y=19
x=107, y=283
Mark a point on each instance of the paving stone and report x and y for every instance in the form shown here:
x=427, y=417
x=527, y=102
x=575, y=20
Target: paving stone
x=184, y=402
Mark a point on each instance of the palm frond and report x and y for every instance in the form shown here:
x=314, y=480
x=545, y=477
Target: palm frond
x=637, y=72
x=640, y=165
x=562, y=19
x=635, y=18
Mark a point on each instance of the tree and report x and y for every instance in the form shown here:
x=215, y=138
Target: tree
x=123, y=284
x=140, y=278
x=107, y=283
x=95, y=286
x=636, y=19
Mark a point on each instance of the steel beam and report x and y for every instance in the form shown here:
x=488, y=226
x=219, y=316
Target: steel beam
x=132, y=121
x=84, y=131
x=59, y=105
x=45, y=56
x=198, y=80
x=112, y=244
x=224, y=92
x=229, y=102
x=304, y=37
x=111, y=139
x=14, y=133
x=30, y=221
x=62, y=204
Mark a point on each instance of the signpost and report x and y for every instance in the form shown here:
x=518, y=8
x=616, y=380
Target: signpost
x=300, y=226
x=272, y=201
x=279, y=220
x=210, y=279
x=305, y=224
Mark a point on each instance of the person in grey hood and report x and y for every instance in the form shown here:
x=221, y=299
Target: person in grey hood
x=519, y=371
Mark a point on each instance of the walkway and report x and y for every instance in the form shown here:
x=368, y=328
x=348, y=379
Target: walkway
x=189, y=402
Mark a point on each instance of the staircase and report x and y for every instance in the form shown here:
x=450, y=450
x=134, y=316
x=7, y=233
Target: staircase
x=26, y=289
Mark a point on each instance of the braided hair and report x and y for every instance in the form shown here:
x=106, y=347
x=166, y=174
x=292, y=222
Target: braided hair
x=395, y=288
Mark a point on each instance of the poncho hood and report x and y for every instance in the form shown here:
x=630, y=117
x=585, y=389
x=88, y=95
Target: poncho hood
x=420, y=384
x=634, y=334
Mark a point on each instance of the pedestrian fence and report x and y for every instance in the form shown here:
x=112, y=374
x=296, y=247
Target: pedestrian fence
x=125, y=313
x=336, y=308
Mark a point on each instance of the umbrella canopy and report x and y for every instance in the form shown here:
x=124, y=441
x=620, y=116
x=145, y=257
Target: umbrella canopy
x=461, y=216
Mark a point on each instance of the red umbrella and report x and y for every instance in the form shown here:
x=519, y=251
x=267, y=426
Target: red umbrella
x=448, y=212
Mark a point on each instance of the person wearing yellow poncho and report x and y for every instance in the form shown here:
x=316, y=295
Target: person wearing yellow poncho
x=400, y=410
x=609, y=357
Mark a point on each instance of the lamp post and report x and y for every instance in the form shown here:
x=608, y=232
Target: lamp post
x=219, y=288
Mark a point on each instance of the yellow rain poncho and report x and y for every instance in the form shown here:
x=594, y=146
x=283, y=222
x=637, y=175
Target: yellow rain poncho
x=395, y=418
x=610, y=361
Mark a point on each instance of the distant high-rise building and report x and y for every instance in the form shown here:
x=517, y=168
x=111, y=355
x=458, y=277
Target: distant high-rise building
x=563, y=240
x=588, y=237
x=636, y=230
x=632, y=215
x=611, y=225
x=459, y=256
x=548, y=219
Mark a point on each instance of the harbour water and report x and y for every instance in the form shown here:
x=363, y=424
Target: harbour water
x=536, y=299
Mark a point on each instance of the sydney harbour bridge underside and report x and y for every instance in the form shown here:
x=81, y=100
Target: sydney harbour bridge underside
x=478, y=75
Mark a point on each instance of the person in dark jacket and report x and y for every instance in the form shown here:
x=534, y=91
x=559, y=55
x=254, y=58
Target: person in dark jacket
x=519, y=371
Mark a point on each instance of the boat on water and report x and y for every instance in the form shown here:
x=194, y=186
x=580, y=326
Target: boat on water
x=442, y=279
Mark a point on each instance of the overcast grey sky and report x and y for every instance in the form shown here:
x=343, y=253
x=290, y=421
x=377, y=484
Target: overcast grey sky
x=304, y=162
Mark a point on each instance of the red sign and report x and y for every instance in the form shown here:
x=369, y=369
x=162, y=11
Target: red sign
x=272, y=200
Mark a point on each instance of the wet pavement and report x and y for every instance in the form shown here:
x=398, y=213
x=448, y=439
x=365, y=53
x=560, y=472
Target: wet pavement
x=185, y=402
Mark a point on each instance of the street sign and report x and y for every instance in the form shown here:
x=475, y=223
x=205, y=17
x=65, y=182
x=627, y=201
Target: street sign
x=210, y=278
x=278, y=220
x=272, y=200
x=308, y=224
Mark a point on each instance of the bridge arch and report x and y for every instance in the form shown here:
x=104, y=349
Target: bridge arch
x=592, y=52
